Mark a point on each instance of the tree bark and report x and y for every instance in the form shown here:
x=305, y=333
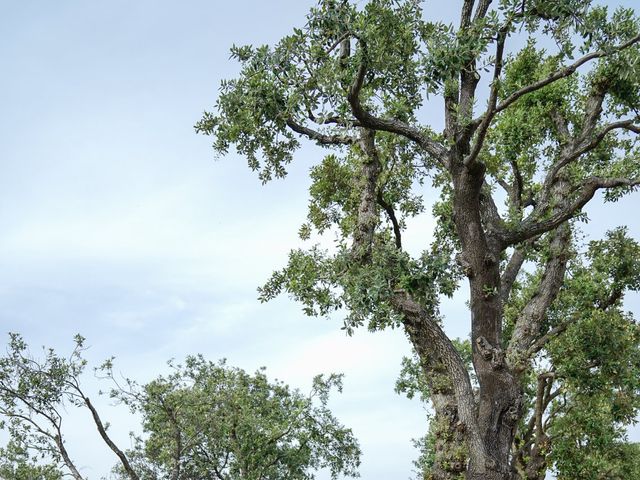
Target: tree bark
x=499, y=401
x=451, y=450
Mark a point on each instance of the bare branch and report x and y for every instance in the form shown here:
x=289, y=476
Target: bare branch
x=505, y=186
x=319, y=137
x=114, y=448
x=593, y=108
x=483, y=8
x=467, y=11
x=65, y=456
x=510, y=274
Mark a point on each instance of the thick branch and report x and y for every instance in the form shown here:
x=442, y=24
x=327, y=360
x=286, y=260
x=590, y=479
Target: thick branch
x=467, y=11
x=561, y=124
x=425, y=333
x=593, y=108
x=530, y=228
x=529, y=322
x=367, y=213
x=483, y=8
x=510, y=274
x=491, y=220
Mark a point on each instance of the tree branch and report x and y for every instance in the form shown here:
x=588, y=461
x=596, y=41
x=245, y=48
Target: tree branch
x=318, y=137
x=429, y=338
x=483, y=128
x=529, y=321
x=585, y=145
x=483, y=8
x=483, y=122
x=392, y=217
x=103, y=433
x=367, y=214
x=563, y=73
x=541, y=342
x=467, y=11
x=530, y=228
x=493, y=224
x=432, y=147
x=65, y=456
x=510, y=274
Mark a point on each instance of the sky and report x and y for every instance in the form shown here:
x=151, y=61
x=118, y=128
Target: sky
x=117, y=221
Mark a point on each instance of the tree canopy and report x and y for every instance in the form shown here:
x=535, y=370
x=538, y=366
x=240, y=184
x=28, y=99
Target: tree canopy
x=209, y=420
x=538, y=105
x=202, y=421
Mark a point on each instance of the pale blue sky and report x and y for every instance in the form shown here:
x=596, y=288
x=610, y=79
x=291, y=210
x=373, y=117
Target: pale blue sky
x=117, y=222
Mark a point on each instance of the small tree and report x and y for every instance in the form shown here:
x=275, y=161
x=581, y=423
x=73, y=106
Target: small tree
x=204, y=420
x=212, y=421
x=540, y=106
x=33, y=396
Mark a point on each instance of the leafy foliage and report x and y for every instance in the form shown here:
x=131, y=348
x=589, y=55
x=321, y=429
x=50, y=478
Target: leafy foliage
x=204, y=420
x=17, y=464
x=553, y=357
x=209, y=420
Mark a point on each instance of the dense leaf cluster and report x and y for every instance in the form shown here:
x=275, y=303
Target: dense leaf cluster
x=202, y=421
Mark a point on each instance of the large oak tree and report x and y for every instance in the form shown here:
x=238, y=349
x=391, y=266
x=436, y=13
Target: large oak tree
x=539, y=101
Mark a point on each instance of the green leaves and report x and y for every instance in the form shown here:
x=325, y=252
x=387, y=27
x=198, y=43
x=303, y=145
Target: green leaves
x=204, y=420
x=16, y=463
x=561, y=122
x=209, y=420
x=33, y=395
x=596, y=362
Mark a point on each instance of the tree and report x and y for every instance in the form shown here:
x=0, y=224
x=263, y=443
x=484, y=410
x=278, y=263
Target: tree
x=212, y=421
x=540, y=105
x=33, y=396
x=204, y=420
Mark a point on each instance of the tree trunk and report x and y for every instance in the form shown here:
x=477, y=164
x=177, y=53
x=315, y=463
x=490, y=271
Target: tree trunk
x=500, y=396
